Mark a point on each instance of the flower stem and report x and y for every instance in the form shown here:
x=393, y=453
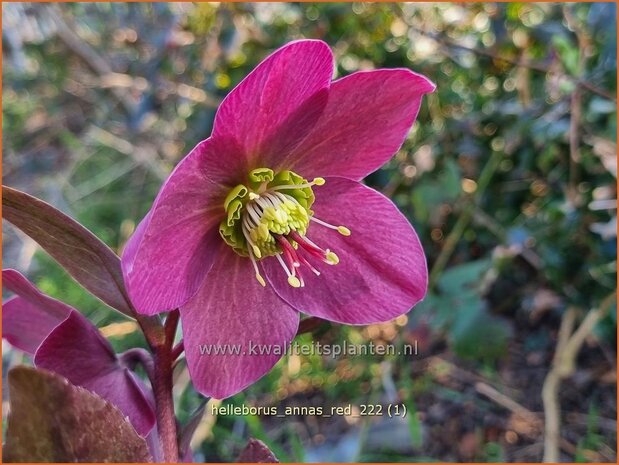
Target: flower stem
x=171, y=323
x=162, y=387
x=166, y=420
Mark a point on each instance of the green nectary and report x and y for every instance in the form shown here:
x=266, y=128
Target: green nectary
x=268, y=204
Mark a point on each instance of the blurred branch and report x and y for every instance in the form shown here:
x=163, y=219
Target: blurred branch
x=144, y=156
x=84, y=51
x=568, y=345
x=504, y=401
x=576, y=99
x=526, y=64
x=113, y=80
x=574, y=136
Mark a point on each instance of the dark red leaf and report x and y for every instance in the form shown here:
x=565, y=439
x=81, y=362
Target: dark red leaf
x=308, y=325
x=51, y=420
x=91, y=263
x=256, y=451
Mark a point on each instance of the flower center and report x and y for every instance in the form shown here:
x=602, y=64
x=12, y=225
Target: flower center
x=269, y=217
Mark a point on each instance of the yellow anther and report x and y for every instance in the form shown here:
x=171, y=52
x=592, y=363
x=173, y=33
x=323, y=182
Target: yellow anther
x=253, y=196
x=269, y=213
x=344, y=231
x=282, y=216
x=257, y=253
x=332, y=259
x=263, y=232
x=294, y=281
x=319, y=181
x=261, y=280
x=253, y=235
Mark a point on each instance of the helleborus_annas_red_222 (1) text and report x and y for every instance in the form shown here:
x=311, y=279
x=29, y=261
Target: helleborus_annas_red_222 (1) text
x=268, y=218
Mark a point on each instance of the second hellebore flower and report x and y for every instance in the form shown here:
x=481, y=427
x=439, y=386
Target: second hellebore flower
x=62, y=340
x=267, y=217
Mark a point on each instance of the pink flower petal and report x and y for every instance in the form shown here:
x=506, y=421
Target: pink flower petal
x=365, y=122
x=232, y=310
x=29, y=317
x=382, y=271
x=273, y=94
x=76, y=350
x=168, y=256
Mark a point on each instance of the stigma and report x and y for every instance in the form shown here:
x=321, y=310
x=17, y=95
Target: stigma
x=270, y=216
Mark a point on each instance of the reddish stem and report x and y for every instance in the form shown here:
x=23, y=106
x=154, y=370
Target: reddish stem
x=170, y=326
x=162, y=387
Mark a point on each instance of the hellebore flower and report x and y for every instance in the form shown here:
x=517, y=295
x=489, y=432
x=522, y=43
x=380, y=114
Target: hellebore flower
x=62, y=340
x=267, y=217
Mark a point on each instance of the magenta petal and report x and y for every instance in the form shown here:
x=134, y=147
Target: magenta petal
x=276, y=89
x=28, y=318
x=154, y=445
x=168, y=256
x=122, y=389
x=232, y=311
x=382, y=271
x=76, y=350
x=366, y=120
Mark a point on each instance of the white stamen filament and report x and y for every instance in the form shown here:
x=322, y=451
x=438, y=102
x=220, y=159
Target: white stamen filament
x=283, y=264
x=254, y=248
x=343, y=230
x=258, y=275
x=263, y=202
x=251, y=209
x=292, y=280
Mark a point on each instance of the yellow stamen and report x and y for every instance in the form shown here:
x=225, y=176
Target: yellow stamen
x=343, y=230
x=332, y=258
x=261, y=280
x=294, y=281
x=253, y=196
x=319, y=181
x=257, y=252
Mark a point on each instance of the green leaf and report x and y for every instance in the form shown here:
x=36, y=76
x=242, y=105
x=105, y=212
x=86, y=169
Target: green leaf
x=88, y=260
x=51, y=420
x=478, y=335
x=461, y=278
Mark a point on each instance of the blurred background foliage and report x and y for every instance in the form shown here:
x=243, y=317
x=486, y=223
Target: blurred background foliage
x=509, y=176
